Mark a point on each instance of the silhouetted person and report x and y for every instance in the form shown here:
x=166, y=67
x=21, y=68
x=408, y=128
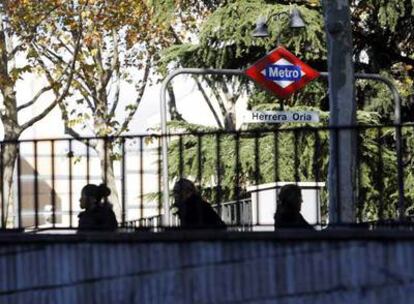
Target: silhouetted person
x=98, y=215
x=192, y=210
x=288, y=209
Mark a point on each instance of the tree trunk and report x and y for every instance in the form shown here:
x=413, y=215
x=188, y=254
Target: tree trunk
x=108, y=175
x=230, y=120
x=9, y=154
x=104, y=147
x=172, y=106
x=230, y=117
x=12, y=132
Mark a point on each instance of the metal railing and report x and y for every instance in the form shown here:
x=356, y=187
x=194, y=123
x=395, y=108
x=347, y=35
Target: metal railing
x=236, y=214
x=49, y=174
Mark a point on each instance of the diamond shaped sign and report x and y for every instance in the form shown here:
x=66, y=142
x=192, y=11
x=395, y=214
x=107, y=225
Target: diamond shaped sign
x=281, y=72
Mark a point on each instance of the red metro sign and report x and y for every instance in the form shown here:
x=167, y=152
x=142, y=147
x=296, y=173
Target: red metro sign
x=281, y=72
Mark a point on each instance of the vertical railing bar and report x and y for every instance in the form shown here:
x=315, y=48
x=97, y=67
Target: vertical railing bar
x=316, y=152
x=400, y=170
x=141, y=176
x=53, y=185
x=257, y=175
x=159, y=177
x=296, y=153
x=218, y=172
x=19, y=187
x=199, y=165
x=36, y=186
x=237, y=179
x=123, y=182
x=3, y=211
x=379, y=174
x=180, y=156
x=70, y=184
x=199, y=160
x=360, y=201
x=276, y=155
x=276, y=162
x=88, y=159
x=105, y=177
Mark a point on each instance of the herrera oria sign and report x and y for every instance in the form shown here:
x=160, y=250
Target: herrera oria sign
x=280, y=116
x=281, y=72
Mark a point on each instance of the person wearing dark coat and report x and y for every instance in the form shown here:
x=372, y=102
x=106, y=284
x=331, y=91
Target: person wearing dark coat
x=98, y=215
x=288, y=209
x=192, y=210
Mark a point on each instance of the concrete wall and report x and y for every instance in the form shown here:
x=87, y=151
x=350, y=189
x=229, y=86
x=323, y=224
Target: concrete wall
x=321, y=267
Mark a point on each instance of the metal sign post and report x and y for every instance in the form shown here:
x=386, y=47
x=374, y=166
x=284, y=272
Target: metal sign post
x=342, y=105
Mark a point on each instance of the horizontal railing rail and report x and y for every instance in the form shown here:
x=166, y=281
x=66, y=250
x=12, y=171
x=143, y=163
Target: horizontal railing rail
x=239, y=173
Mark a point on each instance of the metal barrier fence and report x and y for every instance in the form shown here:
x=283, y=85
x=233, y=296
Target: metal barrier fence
x=238, y=172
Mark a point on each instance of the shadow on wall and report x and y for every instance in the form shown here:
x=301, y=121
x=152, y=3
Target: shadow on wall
x=45, y=198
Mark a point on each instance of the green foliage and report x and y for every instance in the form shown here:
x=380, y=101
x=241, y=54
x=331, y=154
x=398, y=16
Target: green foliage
x=375, y=97
x=389, y=13
x=380, y=46
x=313, y=95
x=290, y=153
x=225, y=39
x=408, y=136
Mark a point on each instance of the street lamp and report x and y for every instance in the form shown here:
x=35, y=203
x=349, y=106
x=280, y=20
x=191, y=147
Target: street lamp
x=296, y=21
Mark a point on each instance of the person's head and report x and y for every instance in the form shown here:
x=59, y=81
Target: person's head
x=183, y=189
x=91, y=195
x=290, y=198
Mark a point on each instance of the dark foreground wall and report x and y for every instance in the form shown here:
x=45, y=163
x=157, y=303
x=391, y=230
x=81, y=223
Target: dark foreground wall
x=334, y=267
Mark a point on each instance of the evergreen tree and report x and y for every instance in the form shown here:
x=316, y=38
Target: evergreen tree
x=225, y=41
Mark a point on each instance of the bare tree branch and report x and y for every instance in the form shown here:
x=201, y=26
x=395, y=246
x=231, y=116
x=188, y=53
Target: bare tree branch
x=207, y=100
x=225, y=89
x=40, y=116
x=86, y=93
x=115, y=59
x=216, y=95
x=115, y=65
x=89, y=102
x=35, y=98
x=45, y=89
x=72, y=132
x=116, y=97
x=62, y=96
x=144, y=79
x=200, y=87
x=65, y=45
x=87, y=83
x=230, y=96
x=3, y=48
x=174, y=34
x=16, y=49
x=43, y=65
x=139, y=97
x=172, y=105
x=97, y=59
x=49, y=54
